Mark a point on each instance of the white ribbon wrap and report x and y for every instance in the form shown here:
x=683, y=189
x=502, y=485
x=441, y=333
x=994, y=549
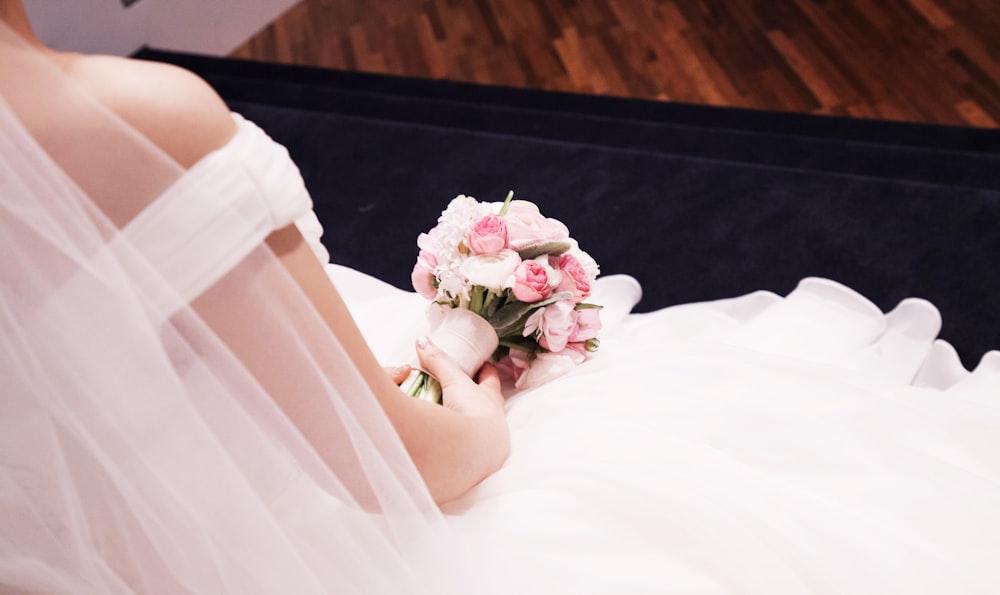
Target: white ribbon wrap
x=466, y=337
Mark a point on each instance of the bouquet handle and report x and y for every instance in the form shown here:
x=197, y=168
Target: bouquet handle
x=467, y=338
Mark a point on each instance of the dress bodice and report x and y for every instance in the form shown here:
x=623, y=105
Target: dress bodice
x=218, y=212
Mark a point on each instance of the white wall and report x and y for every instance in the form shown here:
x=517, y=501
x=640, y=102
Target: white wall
x=103, y=26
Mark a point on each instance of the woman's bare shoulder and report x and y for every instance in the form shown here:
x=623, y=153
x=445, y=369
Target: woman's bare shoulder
x=171, y=106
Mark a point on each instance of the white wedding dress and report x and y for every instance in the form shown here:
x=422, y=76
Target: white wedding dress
x=759, y=444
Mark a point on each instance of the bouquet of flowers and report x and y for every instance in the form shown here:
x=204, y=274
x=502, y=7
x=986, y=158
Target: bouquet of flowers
x=506, y=283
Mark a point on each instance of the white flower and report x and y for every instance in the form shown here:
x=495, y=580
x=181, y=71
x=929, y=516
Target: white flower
x=456, y=220
x=452, y=284
x=463, y=209
x=493, y=271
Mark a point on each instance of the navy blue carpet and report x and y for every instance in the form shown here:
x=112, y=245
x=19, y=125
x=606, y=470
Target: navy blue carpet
x=696, y=202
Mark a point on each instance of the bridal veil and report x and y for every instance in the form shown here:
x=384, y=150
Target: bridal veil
x=140, y=447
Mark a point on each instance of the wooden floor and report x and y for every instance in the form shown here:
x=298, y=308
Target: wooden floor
x=935, y=61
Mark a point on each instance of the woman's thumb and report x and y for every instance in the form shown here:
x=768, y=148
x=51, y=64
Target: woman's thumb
x=438, y=364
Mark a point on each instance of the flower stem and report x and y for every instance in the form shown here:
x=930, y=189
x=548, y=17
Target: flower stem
x=506, y=203
x=421, y=385
x=476, y=301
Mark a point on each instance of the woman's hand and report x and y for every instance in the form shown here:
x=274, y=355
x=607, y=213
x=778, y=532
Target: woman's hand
x=398, y=374
x=459, y=392
x=480, y=407
x=456, y=445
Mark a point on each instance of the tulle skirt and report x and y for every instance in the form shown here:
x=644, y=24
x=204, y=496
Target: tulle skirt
x=805, y=444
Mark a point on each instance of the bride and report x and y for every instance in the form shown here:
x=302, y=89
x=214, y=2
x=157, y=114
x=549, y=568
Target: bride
x=190, y=405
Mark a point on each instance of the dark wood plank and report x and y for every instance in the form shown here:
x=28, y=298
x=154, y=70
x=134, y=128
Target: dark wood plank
x=935, y=61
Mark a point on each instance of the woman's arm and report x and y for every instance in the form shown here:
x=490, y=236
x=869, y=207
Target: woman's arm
x=455, y=446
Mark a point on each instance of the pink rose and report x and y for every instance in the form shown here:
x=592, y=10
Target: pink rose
x=488, y=235
x=506, y=366
x=543, y=368
x=588, y=323
x=575, y=278
x=531, y=282
x=428, y=241
x=422, y=276
x=526, y=225
x=516, y=365
x=552, y=325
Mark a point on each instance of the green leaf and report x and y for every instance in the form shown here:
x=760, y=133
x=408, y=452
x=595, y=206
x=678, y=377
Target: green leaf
x=507, y=318
x=493, y=302
x=555, y=297
x=525, y=345
x=551, y=247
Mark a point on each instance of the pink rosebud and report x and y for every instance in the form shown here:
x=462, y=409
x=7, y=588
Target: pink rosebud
x=574, y=278
x=544, y=367
x=588, y=323
x=531, y=282
x=552, y=325
x=488, y=235
x=422, y=276
x=507, y=367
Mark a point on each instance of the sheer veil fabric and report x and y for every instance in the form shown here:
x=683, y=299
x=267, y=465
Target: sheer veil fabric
x=761, y=444
x=140, y=448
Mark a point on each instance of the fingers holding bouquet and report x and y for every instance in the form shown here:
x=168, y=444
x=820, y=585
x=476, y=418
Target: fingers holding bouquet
x=478, y=397
x=398, y=373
